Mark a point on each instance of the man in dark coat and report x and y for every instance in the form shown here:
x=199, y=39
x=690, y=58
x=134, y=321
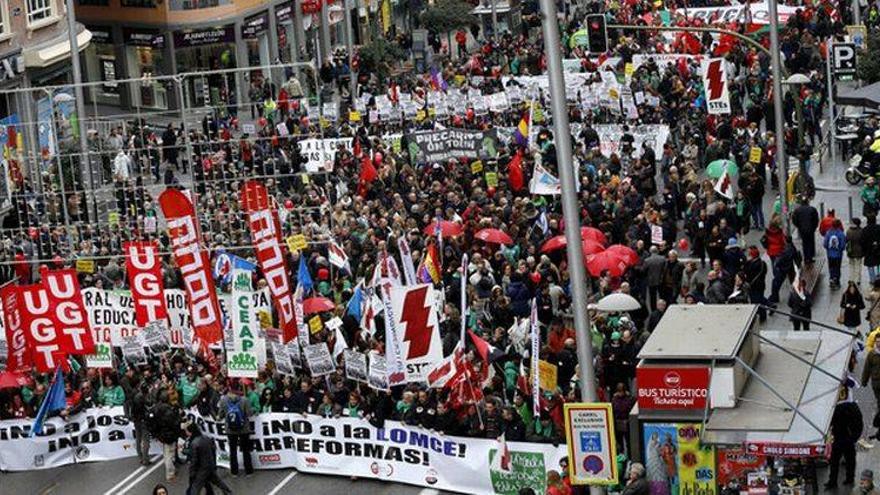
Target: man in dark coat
x=805, y=219
x=871, y=246
x=756, y=276
x=203, y=463
x=846, y=428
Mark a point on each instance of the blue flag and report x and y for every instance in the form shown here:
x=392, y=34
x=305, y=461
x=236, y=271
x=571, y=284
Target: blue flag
x=302, y=277
x=54, y=401
x=355, y=304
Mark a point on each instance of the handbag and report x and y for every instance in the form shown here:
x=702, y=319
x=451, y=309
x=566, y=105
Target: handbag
x=840, y=318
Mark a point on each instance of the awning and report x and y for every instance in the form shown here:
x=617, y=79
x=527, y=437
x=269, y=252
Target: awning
x=761, y=417
x=55, y=51
x=868, y=96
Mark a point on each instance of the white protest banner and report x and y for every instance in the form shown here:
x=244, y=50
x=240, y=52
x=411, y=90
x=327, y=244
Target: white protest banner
x=377, y=378
x=589, y=433
x=320, y=154
x=241, y=359
x=111, y=314
x=282, y=358
x=716, y=86
x=155, y=337
x=355, y=365
x=398, y=453
x=418, y=332
x=544, y=183
x=133, y=349
x=319, y=360
x=654, y=135
x=96, y=434
x=760, y=13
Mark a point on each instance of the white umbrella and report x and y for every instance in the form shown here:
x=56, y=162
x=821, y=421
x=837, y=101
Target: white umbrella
x=618, y=302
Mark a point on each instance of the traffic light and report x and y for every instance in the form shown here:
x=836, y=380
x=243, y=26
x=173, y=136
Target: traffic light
x=597, y=33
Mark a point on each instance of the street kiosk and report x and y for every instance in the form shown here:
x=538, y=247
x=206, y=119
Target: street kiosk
x=725, y=408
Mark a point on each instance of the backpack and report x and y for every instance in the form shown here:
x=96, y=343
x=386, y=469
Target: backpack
x=234, y=415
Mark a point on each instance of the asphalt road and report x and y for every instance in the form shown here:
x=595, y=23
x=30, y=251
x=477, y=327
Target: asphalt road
x=126, y=476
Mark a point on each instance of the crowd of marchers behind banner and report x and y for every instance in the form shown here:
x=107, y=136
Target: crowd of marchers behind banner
x=627, y=196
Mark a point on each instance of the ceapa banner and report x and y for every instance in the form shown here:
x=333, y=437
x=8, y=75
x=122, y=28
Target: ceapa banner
x=353, y=447
x=451, y=144
x=96, y=434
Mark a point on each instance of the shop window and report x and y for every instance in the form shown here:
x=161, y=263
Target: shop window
x=146, y=4
x=99, y=3
x=38, y=10
x=4, y=19
x=197, y=4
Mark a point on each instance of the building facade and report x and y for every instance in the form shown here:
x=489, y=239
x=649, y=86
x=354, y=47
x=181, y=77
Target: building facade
x=153, y=39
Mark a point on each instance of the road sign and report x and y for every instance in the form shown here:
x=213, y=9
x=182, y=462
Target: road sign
x=843, y=57
x=589, y=432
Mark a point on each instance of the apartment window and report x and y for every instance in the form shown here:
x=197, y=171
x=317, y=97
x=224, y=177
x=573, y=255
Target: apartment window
x=38, y=10
x=99, y=3
x=4, y=19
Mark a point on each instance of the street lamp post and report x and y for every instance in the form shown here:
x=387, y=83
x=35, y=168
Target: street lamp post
x=798, y=81
x=779, y=124
x=570, y=210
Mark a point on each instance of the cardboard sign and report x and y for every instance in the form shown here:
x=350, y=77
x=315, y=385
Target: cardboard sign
x=297, y=242
x=319, y=360
x=491, y=179
x=355, y=365
x=315, y=324
x=549, y=376
x=476, y=167
x=755, y=154
x=672, y=388
x=85, y=266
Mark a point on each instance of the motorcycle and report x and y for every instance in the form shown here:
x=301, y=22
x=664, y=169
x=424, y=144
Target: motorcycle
x=859, y=170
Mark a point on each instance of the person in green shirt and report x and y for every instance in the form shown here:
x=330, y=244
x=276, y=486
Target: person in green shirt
x=111, y=393
x=188, y=386
x=870, y=196
x=354, y=408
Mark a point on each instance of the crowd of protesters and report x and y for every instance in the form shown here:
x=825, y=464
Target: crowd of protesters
x=703, y=255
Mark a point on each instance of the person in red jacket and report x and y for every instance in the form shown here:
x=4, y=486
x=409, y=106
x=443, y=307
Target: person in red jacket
x=773, y=239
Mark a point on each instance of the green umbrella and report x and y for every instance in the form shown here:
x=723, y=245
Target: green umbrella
x=578, y=38
x=716, y=168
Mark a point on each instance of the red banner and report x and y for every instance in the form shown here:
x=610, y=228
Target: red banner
x=145, y=278
x=183, y=229
x=266, y=237
x=672, y=388
x=19, y=354
x=789, y=450
x=65, y=298
x=39, y=326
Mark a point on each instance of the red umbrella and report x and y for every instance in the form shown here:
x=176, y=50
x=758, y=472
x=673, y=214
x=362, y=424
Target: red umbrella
x=317, y=305
x=493, y=236
x=9, y=379
x=625, y=252
x=594, y=234
x=553, y=244
x=599, y=262
x=589, y=246
x=447, y=228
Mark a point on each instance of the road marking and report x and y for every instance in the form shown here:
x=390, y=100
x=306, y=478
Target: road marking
x=429, y=491
x=141, y=478
x=286, y=479
x=130, y=476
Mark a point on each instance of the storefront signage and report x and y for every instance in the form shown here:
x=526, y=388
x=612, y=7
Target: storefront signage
x=791, y=450
x=11, y=66
x=255, y=25
x=676, y=461
x=311, y=6
x=672, y=388
x=136, y=37
x=200, y=37
x=284, y=12
x=101, y=35
x=589, y=432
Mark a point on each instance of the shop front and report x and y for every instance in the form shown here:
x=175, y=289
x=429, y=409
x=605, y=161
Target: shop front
x=724, y=408
x=101, y=65
x=145, y=60
x=207, y=49
x=255, y=33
